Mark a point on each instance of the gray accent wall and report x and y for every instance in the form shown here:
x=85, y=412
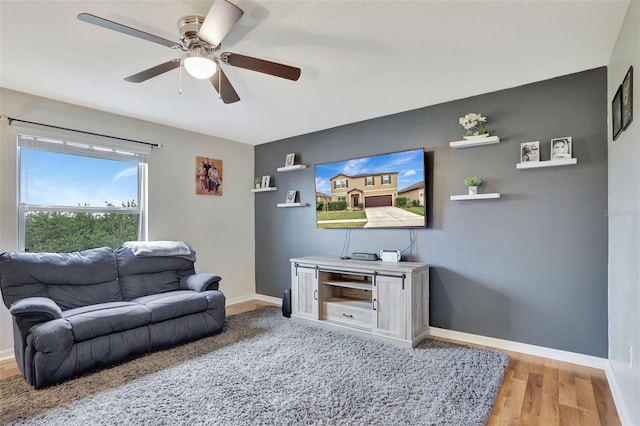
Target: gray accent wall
x=530, y=267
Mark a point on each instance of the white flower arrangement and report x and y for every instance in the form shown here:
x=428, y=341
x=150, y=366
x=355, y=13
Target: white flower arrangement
x=473, y=124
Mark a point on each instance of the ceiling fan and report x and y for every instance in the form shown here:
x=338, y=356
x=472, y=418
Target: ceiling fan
x=201, y=39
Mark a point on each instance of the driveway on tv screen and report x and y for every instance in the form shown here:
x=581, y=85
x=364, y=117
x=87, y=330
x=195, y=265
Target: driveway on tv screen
x=389, y=217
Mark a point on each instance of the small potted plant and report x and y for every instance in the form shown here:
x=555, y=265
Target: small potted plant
x=258, y=182
x=473, y=183
x=474, y=126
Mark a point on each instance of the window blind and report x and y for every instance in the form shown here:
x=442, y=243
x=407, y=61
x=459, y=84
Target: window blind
x=60, y=141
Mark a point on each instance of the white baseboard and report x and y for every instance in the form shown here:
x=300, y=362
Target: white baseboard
x=572, y=357
x=616, y=393
x=255, y=296
x=6, y=354
x=236, y=300
x=270, y=299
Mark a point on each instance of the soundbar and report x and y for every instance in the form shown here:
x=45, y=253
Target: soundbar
x=364, y=256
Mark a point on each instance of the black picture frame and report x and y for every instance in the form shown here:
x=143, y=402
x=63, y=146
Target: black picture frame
x=627, y=99
x=616, y=113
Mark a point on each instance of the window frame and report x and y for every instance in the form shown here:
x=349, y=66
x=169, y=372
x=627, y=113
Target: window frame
x=24, y=208
x=341, y=184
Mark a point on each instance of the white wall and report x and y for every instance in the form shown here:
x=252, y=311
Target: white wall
x=221, y=229
x=624, y=225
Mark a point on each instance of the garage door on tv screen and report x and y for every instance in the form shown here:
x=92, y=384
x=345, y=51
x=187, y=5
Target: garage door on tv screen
x=379, y=191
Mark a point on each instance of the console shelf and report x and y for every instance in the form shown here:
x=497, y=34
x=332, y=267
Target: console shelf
x=475, y=197
x=550, y=163
x=489, y=140
x=361, y=285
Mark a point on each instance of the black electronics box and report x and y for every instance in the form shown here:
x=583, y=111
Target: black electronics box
x=364, y=256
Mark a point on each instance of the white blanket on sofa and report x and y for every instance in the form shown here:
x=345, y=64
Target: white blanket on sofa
x=161, y=248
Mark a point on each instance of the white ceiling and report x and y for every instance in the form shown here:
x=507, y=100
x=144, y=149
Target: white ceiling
x=359, y=59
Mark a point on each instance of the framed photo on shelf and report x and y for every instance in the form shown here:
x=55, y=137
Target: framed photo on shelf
x=627, y=99
x=616, y=113
x=290, y=160
x=291, y=196
x=266, y=180
x=560, y=148
x=529, y=151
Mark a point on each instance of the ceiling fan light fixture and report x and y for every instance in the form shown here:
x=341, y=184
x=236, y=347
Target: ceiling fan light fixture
x=199, y=66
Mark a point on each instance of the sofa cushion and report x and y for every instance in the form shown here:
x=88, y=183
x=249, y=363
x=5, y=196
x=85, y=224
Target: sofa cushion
x=69, y=279
x=92, y=321
x=134, y=286
x=142, y=276
x=173, y=304
x=78, y=295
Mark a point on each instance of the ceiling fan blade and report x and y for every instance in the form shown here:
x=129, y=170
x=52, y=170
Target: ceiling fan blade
x=261, y=65
x=221, y=18
x=110, y=25
x=154, y=71
x=228, y=93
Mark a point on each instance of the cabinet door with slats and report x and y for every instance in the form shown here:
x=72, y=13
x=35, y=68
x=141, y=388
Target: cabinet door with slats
x=390, y=307
x=305, y=292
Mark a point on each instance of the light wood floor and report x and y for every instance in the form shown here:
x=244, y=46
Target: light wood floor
x=535, y=391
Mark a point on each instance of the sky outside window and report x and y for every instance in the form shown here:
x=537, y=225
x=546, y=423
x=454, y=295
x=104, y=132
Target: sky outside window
x=55, y=179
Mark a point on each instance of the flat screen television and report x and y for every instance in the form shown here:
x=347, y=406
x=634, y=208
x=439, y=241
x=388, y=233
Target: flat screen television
x=378, y=191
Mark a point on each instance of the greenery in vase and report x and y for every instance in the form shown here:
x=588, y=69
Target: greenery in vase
x=473, y=181
x=257, y=180
x=473, y=124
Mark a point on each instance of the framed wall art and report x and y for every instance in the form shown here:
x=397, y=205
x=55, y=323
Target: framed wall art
x=627, y=99
x=560, y=148
x=616, y=113
x=529, y=151
x=208, y=176
x=290, y=160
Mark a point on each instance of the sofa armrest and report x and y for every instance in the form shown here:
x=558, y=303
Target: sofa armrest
x=36, y=306
x=200, y=282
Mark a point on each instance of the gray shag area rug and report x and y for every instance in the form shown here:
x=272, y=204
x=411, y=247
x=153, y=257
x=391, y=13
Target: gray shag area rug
x=265, y=369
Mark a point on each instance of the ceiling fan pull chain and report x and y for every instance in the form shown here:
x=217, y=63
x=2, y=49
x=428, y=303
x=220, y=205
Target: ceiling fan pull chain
x=180, y=79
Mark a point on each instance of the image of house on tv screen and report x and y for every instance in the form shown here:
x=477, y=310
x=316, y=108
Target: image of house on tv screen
x=381, y=191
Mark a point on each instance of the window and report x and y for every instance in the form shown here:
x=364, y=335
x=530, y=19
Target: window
x=342, y=198
x=386, y=179
x=368, y=181
x=79, y=195
x=340, y=184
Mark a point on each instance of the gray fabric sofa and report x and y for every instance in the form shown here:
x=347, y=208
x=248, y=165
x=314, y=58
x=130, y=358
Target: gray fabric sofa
x=77, y=312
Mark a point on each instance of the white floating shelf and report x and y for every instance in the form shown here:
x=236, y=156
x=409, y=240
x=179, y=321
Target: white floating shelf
x=267, y=189
x=475, y=197
x=293, y=204
x=550, y=163
x=489, y=140
x=292, y=168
